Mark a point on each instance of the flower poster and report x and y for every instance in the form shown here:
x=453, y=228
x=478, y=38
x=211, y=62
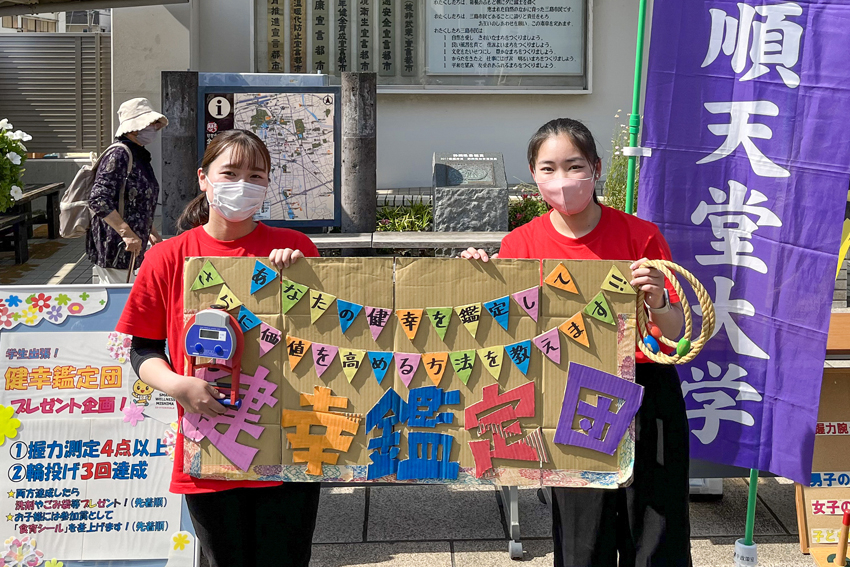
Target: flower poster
x=85, y=470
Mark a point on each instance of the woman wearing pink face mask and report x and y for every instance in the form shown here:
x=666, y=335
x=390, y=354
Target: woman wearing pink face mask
x=647, y=523
x=236, y=522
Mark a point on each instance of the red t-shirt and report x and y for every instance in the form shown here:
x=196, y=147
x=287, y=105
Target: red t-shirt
x=154, y=310
x=618, y=236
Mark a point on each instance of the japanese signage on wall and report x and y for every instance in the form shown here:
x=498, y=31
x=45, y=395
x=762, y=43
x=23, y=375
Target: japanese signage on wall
x=299, y=129
x=741, y=101
x=420, y=370
x=87, y=452
x=420, y=42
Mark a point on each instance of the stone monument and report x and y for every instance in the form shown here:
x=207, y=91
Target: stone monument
x=470, y=192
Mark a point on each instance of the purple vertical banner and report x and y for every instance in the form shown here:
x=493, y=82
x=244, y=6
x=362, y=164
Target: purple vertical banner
x=747, y=114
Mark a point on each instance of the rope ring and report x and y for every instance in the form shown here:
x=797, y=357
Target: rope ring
x=667, y=268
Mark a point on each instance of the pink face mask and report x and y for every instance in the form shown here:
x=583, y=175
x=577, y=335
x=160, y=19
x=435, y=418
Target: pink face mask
x=567, y=196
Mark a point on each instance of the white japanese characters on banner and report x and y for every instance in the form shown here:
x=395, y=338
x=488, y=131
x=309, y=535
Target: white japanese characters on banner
x=87, y=454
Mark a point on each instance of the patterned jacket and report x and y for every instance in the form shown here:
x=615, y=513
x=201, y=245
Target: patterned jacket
x=104, y=246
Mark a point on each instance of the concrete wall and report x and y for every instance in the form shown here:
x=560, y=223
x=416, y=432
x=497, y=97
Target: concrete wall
x=146, y=41
x=411, y=127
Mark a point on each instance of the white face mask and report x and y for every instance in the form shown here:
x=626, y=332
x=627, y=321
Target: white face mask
x=146, y=135
x=236, y=200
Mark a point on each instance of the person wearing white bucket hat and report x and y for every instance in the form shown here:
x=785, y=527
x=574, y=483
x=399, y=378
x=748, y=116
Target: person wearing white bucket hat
x=117, y=236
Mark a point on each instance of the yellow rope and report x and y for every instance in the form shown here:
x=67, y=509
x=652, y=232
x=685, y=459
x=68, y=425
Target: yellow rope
x=667, y=268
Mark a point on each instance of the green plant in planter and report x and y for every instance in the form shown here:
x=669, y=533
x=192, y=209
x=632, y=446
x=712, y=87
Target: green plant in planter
x=13, y=154
x=416, y=216
x=615, y=180
x=529, y=206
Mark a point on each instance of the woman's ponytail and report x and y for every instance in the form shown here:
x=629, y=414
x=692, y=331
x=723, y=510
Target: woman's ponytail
x=196, y=213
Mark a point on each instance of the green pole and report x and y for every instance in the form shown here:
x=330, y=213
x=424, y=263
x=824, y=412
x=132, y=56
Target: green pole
x=751, y=507
x=634, y=117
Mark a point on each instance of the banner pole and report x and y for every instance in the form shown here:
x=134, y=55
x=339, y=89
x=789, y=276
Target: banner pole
x=751, y=507
x=634, y=117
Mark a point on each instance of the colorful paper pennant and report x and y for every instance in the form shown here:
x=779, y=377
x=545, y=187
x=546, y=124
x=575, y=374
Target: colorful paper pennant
x=492, y=358
x=207, y=277
x=598, y=309
x=500, y=309
x=262, y=276
x=549, y=344
x=228, y=298
x=323, y=356
x=269, y=338
x=377, y=317
x=320, y=302
x=435, y=365
x=406, y=364
x=348, y=312
x=520, y=354
x=291, y=293
x=561, y=279
x=575, y=329
x=440, y=317
x=615, y=281
x=247, y=320
x=470, y=316
x=462, y=362
x=380, y=362
x=410, y=319
x=351, y=359
x=296, y=349
x=529, y=300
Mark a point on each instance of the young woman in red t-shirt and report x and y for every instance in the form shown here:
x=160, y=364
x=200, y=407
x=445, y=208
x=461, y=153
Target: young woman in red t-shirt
x=647, y=523
x=237, y=522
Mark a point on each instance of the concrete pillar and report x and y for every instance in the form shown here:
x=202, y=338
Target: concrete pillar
x=359, y=154
x=179, y=145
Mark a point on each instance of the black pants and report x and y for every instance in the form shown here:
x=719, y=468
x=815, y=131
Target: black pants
x=647, y=523
x=256, y=526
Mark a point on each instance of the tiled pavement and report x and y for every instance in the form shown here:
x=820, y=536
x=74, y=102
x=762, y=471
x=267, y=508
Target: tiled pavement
x=441, y=526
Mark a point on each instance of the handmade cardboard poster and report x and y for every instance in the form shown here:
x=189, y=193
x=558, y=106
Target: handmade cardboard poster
x=426, y=370
x=86, y=449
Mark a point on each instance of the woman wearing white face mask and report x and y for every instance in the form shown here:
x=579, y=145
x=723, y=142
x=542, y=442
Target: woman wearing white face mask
x=237, y=522
x=122, y=224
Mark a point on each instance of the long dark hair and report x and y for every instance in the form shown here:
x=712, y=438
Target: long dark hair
x=249, y=152
x=578, y=134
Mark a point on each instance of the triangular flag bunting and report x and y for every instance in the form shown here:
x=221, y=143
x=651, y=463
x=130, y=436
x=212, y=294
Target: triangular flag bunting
x=529, y=300
x=291, y=293
x=575, y=329
x=492, y=359
x=228, y=298
x=500, y=309
x=435, y=365
x=561, y=278
x=520, y=354
x=269, y=338
x=440, y=317
x=377, y=318
x=262, y=276
x=296, y=349
x=406, y=365
x=247, y=320
x=549, y=344
x=348, y=312
x=469, y=315
x=319, y=303
x=207, y=277
x=323, y=356
x=598, y=309
x=463, y=361
x=380, y=362
x=351, y=359
x=410, y=319
x=615, y=281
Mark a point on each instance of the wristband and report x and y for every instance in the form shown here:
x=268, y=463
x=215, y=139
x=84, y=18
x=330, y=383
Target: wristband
x=664, y=308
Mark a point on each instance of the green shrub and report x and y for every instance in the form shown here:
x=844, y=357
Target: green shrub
x=417, y=216
x=529, y=206
x=615, y=181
